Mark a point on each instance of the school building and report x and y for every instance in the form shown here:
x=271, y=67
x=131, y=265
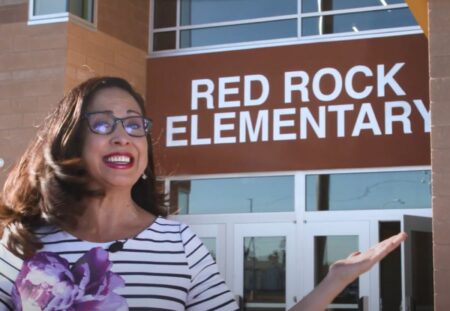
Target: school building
x=286, y=133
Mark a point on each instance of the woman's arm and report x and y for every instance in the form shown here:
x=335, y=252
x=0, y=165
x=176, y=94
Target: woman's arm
x=344, y=271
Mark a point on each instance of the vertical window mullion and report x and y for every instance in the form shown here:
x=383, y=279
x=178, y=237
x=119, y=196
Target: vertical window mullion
x=151, y=20
x=299, y=19
x=177, y=31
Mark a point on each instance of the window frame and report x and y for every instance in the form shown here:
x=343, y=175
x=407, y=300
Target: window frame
x=299, y=39
x=300, y=195
x=61, y=17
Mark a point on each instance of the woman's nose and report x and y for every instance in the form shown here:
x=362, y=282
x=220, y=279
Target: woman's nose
x=120, y=136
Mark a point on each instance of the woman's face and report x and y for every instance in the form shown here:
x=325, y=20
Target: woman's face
x=115, y=160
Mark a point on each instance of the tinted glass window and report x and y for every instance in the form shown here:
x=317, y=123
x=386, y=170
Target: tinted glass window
x=357, y=22
x=309, y=6
x=195, y=12
x=358, y=191
x=42, y=7
x=165, y=13
x=238, y=33
x=233, y=195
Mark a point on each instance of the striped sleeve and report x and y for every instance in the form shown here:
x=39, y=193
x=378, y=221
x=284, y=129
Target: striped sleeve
x=208, y=290
x=9, y=268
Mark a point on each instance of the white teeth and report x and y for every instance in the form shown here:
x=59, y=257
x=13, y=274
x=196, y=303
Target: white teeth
x=119, y=159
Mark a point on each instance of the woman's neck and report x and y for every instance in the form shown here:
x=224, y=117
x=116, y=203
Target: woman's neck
x=113, y=216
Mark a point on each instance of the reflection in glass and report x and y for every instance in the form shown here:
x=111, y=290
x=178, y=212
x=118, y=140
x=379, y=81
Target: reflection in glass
x=164, y=41
x=232, y=195
x=376, y=190
x=165, y=13
x=355, y=22
x=264, y=273
x=194, y=12
x=42, y=7
x=309, y=6
x=210, y=244
x=239, y=33
x=327, y=250
x=82, y=8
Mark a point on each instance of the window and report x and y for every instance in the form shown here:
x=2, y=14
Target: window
x=182, y=25
x=362, y=191
x=51, y=11
x=232, y=195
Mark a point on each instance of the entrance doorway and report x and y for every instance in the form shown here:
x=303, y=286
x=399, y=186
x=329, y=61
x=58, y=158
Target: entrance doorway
x=264, y=264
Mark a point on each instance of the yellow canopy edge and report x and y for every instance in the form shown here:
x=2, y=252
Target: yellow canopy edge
x=419, y=9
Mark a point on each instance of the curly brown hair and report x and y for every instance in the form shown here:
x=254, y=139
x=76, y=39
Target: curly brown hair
x=50, y=180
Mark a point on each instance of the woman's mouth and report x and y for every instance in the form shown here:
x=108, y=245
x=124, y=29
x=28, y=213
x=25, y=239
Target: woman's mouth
x=118, y=160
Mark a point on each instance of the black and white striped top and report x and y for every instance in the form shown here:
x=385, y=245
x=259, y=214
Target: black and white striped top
x=165, y=267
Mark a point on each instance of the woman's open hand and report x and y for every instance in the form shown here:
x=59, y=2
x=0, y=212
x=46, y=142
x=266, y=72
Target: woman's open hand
x=348, y=269
x=344, y=271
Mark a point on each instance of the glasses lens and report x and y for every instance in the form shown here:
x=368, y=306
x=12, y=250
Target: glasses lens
x=101, y=123
x=135, y=126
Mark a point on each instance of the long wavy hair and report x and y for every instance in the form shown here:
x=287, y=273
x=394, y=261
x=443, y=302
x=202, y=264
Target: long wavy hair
x=50, y=180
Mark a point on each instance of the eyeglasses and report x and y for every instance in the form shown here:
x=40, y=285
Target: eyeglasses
x=104, y=123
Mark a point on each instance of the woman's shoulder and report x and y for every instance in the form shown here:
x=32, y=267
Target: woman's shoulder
x=166, y=227
x=167, y=224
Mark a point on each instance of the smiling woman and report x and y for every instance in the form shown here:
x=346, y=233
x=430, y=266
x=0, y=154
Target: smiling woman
x=82, y=226
x=83, y=197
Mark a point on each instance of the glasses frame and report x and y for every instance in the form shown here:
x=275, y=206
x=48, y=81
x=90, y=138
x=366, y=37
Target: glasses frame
x=147, y=123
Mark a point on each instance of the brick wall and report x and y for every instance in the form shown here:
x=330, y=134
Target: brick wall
x=39, y=63
x=31, y=78
x=125, y=20
x=439, y=44
x=93, y=53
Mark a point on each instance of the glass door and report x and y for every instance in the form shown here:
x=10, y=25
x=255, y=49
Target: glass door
x=264, y=266
x=418, y=264
x=327, y=242
x=213, y=237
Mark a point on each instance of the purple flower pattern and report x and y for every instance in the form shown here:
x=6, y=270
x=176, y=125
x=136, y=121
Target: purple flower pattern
x=47, y=283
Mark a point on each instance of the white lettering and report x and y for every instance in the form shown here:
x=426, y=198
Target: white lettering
x=337, y=84
x=219, y=127
x=318, y=127
x=289, y=87
x=388, y=79
x=171, y=130
x=390, y=118
x=196, y=94
x=248, y=80
x=340, y=111
x=426, y=115
x=261, y=126
x=372, y=124
x=278, y=124
x=224, y=91
x=195, y=140
x=349, y=82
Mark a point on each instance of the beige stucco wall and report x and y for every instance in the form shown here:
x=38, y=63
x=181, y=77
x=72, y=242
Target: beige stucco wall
x=439, y=51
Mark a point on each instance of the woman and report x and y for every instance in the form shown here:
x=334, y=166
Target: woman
x=83, y=196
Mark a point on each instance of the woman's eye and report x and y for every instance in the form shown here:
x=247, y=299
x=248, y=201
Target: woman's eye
x=103, y=127
x=134, y=126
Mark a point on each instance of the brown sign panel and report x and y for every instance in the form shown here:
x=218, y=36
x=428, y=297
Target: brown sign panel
x=346, y=104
